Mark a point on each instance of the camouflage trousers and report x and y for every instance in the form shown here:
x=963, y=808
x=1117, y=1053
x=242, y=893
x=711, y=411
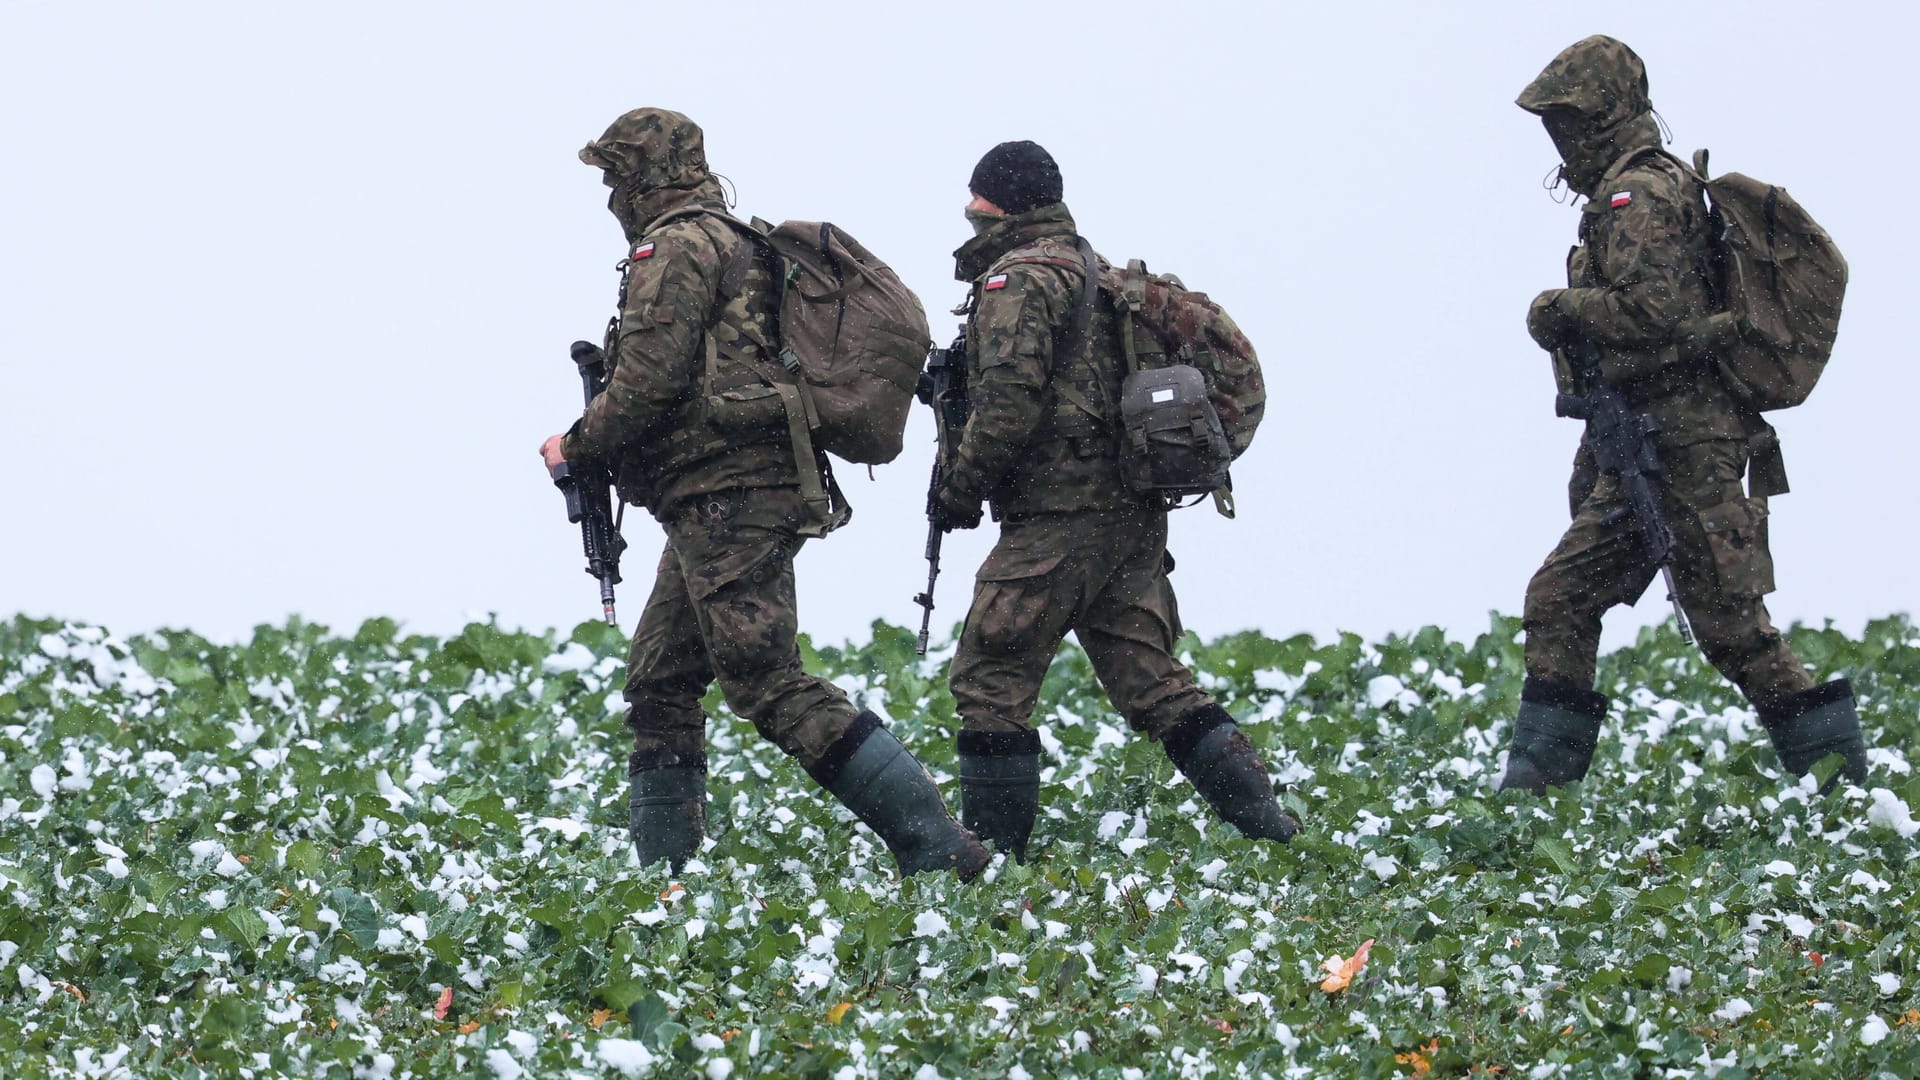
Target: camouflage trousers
x=1721, y=569
x=1099, y=574
x=723, y=609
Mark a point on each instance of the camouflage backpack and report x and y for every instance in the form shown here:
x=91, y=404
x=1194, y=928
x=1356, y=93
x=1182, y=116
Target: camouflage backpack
x=1193, y=394
x=1779, y=281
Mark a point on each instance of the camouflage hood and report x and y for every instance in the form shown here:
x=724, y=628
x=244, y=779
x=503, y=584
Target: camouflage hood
x=1603, y=83
x=656, y=162
x=1011, y=231
x=650, y=148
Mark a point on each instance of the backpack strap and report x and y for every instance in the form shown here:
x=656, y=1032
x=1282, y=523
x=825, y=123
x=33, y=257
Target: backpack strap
x=1766, y=465
x=827, y=506
x=1133, y=300
x=1078, y=340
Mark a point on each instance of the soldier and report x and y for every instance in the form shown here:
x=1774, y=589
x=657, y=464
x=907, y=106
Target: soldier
x=1637, y=288
x=1078, y=550
x=697, y=310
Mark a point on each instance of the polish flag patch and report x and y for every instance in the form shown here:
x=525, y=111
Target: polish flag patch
x=1620, y=199
x=644, y=251
x=997, y=281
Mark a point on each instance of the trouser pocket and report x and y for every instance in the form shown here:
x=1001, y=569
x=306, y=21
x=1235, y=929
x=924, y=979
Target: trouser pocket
x=1736, y=532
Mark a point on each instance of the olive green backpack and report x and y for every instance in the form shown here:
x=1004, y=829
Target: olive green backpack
x=852, y=338
x=1779, y=281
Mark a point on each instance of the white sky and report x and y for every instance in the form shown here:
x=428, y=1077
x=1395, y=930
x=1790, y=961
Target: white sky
x=286, y=292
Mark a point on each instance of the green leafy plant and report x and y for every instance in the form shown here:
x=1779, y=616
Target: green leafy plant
x=382, y=854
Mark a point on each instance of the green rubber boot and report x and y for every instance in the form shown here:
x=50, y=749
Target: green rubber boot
x=1215, y=755
x=668, y=804
x=1000, y=787
x=1554, y=735
x=890, y=791
x=1808, y=726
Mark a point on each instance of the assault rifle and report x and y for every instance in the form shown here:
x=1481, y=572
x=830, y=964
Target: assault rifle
x=585, y=485
x=943, y=386
x=1622, y=444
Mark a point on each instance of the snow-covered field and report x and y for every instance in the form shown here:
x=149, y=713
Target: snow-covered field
x=378, y=856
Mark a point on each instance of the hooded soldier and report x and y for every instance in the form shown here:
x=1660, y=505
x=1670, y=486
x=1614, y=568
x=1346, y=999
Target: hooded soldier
x=698, y=319
x=1638, y=290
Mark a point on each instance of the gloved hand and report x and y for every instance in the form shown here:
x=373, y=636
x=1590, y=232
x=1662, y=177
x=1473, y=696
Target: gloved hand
x=954, y=508
x=1546, y=322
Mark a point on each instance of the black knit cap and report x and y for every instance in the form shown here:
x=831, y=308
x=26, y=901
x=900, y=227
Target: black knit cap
x=1017, y=177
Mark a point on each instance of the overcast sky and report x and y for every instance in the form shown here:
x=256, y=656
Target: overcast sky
x=286, y=292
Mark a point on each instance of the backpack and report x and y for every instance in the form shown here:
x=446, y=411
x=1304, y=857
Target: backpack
x=852, y=332
x=1777, y=273
x=853, y=339
x=1192, y=396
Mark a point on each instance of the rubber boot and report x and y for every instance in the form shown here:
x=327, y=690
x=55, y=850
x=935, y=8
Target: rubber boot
x=1553, y=736
x=1000, y=787
x=889, y=790
x=1811, y=724
x=669, y=808
x=1214, y=754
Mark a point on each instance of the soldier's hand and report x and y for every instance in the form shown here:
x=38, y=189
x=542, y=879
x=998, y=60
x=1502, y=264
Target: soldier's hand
x=550, y=451
x=953, y=509
x=1546, y=322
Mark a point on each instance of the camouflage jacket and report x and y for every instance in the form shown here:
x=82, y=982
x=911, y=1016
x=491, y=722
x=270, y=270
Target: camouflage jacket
x=1636, y=278
x=1027, y=449
x=655, y=422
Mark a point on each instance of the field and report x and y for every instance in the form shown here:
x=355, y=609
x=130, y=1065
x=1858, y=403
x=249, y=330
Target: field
x=384, y=855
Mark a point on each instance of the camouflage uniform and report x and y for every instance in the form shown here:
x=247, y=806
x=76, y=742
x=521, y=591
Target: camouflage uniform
x=1637, y=287
x=697, y=320
x=722, y=606
x=1078, y=550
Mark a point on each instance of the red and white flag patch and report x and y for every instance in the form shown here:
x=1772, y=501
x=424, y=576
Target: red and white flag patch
x=1620, y=199
x=997, y=281
x=644, y=251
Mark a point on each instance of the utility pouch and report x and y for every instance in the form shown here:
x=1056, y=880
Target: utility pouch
x=1172, y=442
x=748, y=409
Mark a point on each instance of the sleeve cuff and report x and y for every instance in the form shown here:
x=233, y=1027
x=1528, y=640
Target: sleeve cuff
x=573, y=445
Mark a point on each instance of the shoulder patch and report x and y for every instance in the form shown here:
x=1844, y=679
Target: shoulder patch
x=644, y=251
x=997, y=281
x=1619, y=199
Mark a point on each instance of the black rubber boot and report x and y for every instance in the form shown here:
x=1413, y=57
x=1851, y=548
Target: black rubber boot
x=889, y=790
x=669, y=807
x=1809, y=725
x=1000, y=787
x=1553, y=736
x=1211, y=750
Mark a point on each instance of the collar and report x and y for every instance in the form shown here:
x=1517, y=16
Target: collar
x=1015, y=230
